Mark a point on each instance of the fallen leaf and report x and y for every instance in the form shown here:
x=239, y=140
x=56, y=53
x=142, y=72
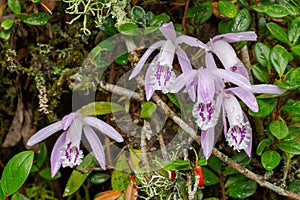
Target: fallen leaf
x=109, y=195
x=131, y=193
x=48, y=5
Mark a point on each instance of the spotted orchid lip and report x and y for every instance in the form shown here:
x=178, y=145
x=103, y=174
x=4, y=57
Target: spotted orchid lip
x=205, y=114
x=239, y=136
x=71, y=156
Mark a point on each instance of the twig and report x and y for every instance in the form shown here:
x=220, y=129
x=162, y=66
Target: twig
x=255, y=177
x=184, y=15
x=246, y=60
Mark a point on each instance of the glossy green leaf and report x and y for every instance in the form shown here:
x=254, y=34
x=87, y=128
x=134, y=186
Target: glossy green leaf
x=294, y=186
x=42, y=155
x=291, y=80
x=16, y=172
x=224, y=27
x=138, y=15
x=270, y=159
x=227, y=9
x=291, y=6
x=278, y=32
x=262, y=53
x=279, y=129
x=37, y=19
x=296, y=50
x=294, y=133
x=262, y=145
x=99, y=178
x=148, y=109
x=241, y=22
x=291, y=147
x=200, y=13
x=266, y=106
x=7, y=24
x=244, y=3
x=14, y=5
x=129, y=29
x=122, y=59
x=5, y=34
x=242, y=189
x=79, y=175
x=2, y=196
x=119, y=177
x=294, y=31
x=280, y=58
x=159, y=20
x=202, y=161
x=178, y=165
x=240, y=158
x=234, y=178
x=272, y=10
x=173, y=97
x=149, y=16
x=46, y=174
x=260, y=73
x=108, y=27
x=292, y=107
x=215, y=164
x=210, y=178
x=100, y=108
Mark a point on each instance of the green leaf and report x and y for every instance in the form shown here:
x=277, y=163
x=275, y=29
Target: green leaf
x=37, y=19
x=260, y=73
x=291, y=147
x=215, y=164
x=99, y=178
x=2, y=196
x=119, y=177
x=108, y=27
x=159, y=20
x=178, y=165
x=7, y=24
x=262, y=54
x=202, y=161
x=279, y=129
x=291, y=80
x=138, y=15
x=291, y=6
x=262, y=145
x=173, y=97
x=296, y=50
x=227, y=9
x=100, y=108
x=46, y=174
x=210, y=178
x=240, y=158
x=294, y=186
x=200, y=13
x=18, y=196
x=266, y=106
x=149, y=16
x=294, y=133
x=129, y=29
x=15, y=6
x=292, y=107
x=122, y=59
x=278, y=32
x=224, y=27
x=272, y=10
x=5, y=35
x=241, y=22
x=148, y=109
x=79, y=175
x=242, y=189
x=280, y=58
x=270, y=159
x=42, y=155
x=243, y=3
x=294, y=31
x=234, y=178
x=16, y=172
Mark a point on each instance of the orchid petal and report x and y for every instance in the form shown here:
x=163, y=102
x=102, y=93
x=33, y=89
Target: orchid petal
x=246, y=96
x=240, y=69
x=191, y=41
x=225, y=53
x=144, y=58
x=168, y=31
x=182, y=80
x=207, y=141
x=95, y=145
x=236, y=37
x=45, y=133
x=104, y=128
x=206, y=87
x=183, y=60
x=166, y=55
x=192, y=93
x=55, y=159
x=74, y=133
x=235, y=78
x=233, y=110
x=149, y=86
x=267, y=89
x=68, y=119
x=210, y=62
x=249, y=147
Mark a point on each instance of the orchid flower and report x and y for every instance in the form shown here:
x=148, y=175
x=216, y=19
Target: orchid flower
x=159, y=75
x=66, y=151
x=220, y=46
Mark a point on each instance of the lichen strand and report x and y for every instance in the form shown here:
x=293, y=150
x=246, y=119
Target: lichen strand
x=99, y=10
